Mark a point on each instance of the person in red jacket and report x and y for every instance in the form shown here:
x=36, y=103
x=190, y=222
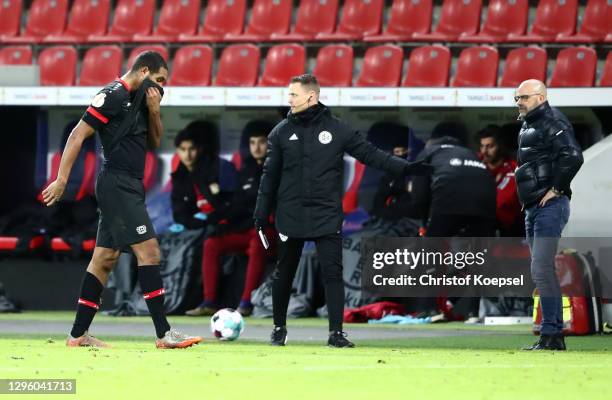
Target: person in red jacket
x=501, y=165
x=234, y=231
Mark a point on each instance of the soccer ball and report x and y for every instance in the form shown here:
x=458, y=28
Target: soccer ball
x=227, y=324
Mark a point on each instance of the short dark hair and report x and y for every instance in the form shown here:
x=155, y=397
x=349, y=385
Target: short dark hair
x=493, y=131
x=150, y=59
x=307, y=80
x=257, y=128
x=454, y=129
x=183, y=136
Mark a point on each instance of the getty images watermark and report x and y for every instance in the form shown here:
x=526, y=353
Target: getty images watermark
x=458, y=267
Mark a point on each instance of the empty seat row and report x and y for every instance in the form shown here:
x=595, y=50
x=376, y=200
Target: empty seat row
x=428, y=66
x=409, y=20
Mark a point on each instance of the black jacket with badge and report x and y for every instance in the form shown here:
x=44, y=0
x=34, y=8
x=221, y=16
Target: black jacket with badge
x=459, y=184
x=548, y=155
x=184, y=197
x=303, y=172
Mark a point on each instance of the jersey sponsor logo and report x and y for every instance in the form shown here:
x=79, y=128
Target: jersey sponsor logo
x=325, y=137
x=293, y=137
x=98, y=100
x=141, y=230
x=283, y=237
x=455, y=162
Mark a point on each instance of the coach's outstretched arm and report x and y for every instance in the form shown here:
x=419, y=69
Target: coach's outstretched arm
x=364, y=151
x=270, y=178
x=53, y=193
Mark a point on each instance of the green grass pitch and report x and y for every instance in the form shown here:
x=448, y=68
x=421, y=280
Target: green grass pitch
x=459, y=367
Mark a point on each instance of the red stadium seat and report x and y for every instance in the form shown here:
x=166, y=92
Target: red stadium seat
x=10, y=19
x=477, y=66
x=153, y=47
x=504, y=17
x=606, y=76
x=9, y=243
x=334, y=65
x=132, y=17
x=407, y=18
x=101, y=65
x=192, y=66
x=458, y=17
x=359, y=18
x=267, y=17
x=45, y=17
x=87, y=17
x=575, y=67
x=428, y=66
x=57, y=66
x=176, y=17
x=313, y=17
x=382, y=66
x=283, y=62
x=16, y=55
x=522, y=64
x=553, y=17
x=596, y=23
x=222, y=17
x=238, y=66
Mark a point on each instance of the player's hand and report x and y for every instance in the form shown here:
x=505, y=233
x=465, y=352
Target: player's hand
x=53, y=193
x=153, y=99
x=259, y=224
x=549, y=195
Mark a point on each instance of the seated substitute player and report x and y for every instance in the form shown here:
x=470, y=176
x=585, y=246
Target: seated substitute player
x=126, y=113
x=235, y=233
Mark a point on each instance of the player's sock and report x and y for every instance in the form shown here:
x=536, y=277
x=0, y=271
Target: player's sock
x=153, y=292
x=88, y=304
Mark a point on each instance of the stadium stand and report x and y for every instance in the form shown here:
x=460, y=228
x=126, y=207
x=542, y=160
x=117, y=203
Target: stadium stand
x=334, y=65
x=58, y=66
x=575, y=67
x=267, y=17
x=192, y=66
x=606, y=76
x=101, y=64
x=382, y=66
x=87, y=17
x=524, y=63
x=238, y=66
x=10, y=19
x=222, y=17
x=504, y=17
x=359, y=18
x=132, y=17
x=283, y=62
x=313, y=17
x=428, y=66
x=177, y=17
x=596, y=23
x=458, y=17
x=16, y=55
x=407, y=18
x=477, y=66
x=45, y=17
x=553, y=18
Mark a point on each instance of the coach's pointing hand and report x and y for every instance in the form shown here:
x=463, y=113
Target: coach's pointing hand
x=53, y=193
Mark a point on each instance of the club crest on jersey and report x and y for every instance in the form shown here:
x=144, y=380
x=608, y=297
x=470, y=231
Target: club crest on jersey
x=325, y=137
x=98, y=100
x=141, y=230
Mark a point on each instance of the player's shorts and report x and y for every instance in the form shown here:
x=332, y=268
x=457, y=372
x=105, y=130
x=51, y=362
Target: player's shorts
x=124, y=220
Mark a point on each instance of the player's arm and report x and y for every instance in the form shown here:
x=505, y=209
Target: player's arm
x=156, y=128
x=53, y=193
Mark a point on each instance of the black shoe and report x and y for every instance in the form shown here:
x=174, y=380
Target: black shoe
x=548, y=342
x=278, y=336
x=338, y=339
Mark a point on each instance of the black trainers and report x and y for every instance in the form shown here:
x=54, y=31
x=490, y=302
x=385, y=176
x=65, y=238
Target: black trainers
x=338, y=339
x=278, y=336
x=548, y=342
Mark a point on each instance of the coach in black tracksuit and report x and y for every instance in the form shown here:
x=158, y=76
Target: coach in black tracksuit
x=303, y=174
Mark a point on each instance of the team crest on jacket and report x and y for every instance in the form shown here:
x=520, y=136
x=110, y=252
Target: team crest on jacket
x=98, y=100
x=325, y=137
